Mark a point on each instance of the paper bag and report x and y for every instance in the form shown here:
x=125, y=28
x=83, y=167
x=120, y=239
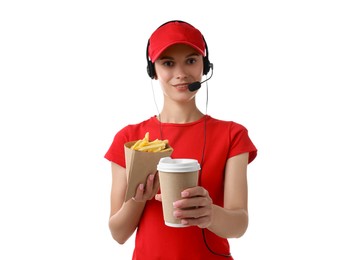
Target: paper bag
x=139, y=165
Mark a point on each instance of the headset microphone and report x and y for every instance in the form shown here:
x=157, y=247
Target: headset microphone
x=197, y=85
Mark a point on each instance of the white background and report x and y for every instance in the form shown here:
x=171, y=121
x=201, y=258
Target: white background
x=72, y=73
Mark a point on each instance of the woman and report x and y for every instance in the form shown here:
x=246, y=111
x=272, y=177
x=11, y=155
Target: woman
x=177, y=57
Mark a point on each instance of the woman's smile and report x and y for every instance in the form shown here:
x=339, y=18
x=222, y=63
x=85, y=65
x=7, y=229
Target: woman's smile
x=181, y=86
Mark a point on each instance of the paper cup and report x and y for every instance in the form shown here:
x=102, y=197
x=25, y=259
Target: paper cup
x=175, y=175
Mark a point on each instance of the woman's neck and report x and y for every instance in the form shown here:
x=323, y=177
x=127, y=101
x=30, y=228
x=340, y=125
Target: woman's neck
x=180, y=115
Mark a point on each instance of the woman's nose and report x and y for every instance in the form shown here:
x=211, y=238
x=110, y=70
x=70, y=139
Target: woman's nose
x=181, y=72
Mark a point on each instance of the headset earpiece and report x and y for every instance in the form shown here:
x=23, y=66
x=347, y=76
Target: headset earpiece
x=151, y=69
x=206, y=65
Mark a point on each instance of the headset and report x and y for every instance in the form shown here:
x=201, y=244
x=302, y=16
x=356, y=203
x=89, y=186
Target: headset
x=206, y=63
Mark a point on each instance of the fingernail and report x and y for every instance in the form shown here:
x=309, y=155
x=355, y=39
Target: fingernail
x=176, y=214
x=151, y=177
x=141, y=186
x=184, y=194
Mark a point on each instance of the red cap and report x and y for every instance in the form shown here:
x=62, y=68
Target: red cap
x=172, y=33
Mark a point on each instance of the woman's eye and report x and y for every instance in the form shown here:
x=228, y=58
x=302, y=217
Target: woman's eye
x=191, y=61
x=168, y=63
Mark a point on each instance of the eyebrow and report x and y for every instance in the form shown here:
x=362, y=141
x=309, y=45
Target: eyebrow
x=171, y=58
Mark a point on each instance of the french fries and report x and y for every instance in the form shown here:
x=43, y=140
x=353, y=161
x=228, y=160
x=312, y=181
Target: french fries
x=144, y=145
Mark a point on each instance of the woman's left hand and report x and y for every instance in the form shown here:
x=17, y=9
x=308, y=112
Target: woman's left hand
x=195, y=207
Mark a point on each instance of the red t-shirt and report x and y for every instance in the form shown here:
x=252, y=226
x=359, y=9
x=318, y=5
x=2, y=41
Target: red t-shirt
x=224, y=139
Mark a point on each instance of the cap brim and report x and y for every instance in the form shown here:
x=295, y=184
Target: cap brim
x=162, y=49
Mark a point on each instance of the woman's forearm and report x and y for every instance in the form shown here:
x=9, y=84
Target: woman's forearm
x=229, y=223
x=124, y=222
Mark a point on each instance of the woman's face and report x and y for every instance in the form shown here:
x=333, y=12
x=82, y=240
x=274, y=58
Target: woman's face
x=178, y=66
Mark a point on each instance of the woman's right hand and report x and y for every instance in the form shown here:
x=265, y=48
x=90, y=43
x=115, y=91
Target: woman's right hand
x=148, y=191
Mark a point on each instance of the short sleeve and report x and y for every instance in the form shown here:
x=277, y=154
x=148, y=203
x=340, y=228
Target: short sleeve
x=241, y=142
x=116, y=152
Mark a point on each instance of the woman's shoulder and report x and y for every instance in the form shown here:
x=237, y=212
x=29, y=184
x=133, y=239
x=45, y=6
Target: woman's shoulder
x=225, y=123
x=130, y=130
x=145, y=122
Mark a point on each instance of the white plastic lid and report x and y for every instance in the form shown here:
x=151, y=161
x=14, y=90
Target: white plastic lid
x=167, y=164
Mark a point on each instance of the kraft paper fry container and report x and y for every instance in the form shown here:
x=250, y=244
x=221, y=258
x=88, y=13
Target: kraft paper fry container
x=139, y=165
